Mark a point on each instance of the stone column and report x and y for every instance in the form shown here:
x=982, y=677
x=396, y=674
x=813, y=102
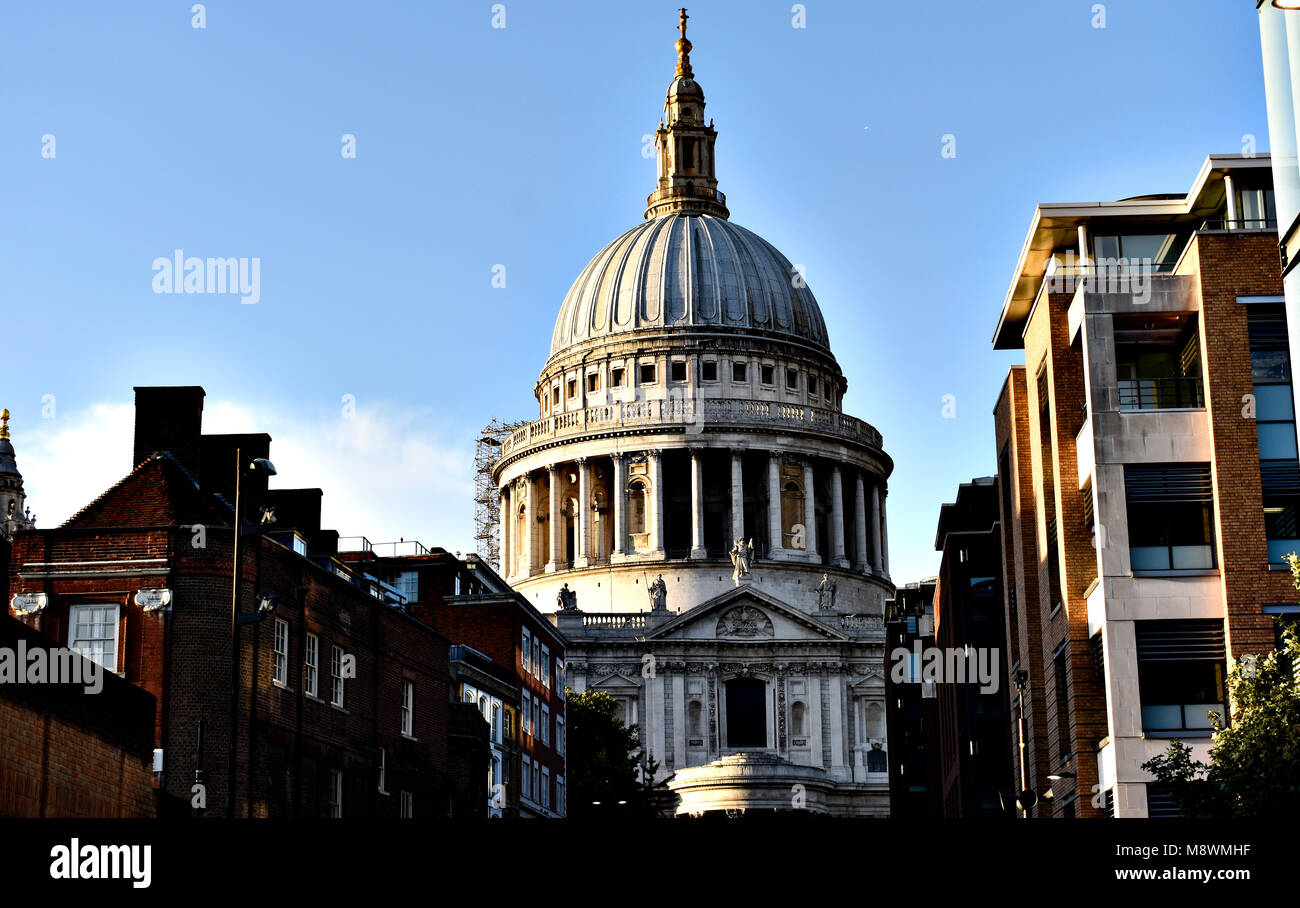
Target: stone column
x=553, y=475
x=875, y=528
x=503, y=501
x=837, y=519
x=697, y=505
x=884, y=535
x=737, y=497
x=583, y=556
x=860, y=524
x=530, y=524
x=619, y=496
x=809, y=512
x=775, y=547
x=657, y=518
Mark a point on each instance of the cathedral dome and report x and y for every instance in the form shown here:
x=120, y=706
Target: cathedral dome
x=689, y=271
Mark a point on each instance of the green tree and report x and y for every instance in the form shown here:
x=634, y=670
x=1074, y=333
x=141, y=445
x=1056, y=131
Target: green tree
x=602, y=766
x=1254, y=768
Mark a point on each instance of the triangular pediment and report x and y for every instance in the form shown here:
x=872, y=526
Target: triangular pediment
x=614, y=682
x=746, y=614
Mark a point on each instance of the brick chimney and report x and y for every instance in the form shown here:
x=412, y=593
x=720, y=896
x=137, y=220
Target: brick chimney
x=169, y=419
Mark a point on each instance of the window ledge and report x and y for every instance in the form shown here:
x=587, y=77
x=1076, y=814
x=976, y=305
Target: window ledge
x=1192, y=572
x=1165, y=734
x=313, y=697
x=409, y=737
x=1273, y=566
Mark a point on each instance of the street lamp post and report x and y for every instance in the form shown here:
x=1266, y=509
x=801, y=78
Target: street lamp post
x=264, y=466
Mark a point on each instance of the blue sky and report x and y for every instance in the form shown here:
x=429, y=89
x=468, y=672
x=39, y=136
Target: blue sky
x=521, y=146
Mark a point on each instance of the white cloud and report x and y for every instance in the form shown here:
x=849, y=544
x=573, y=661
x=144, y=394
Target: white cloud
x=385, y=472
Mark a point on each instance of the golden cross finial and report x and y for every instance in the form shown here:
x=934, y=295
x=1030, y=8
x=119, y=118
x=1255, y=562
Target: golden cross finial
x=683, y=49
x=4, y=423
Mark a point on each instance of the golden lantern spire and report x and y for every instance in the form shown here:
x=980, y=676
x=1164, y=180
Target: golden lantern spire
x=686, y=181
x=4, y=423
x=683, y=48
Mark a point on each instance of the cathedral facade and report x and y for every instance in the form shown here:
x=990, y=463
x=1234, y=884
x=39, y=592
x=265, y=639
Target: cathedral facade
x=706, y=522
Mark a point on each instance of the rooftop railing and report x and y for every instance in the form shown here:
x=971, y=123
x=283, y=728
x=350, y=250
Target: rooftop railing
x=707, y=412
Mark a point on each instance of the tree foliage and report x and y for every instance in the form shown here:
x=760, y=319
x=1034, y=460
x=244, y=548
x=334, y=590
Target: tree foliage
x=602, y=764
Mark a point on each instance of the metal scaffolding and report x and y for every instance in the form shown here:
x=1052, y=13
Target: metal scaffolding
x=487, y=514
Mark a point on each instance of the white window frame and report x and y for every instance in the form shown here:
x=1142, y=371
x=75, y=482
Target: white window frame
x=559, y=735
x=546, y=787
x=527, y=710
x=336, y=675
x=537, y=656
x=383, y=770
x=408, y=708
x=95, y=652
x=546, y=665
x=280, y=653
x=559, y=794
x=336, y=794
x=560, y=679
x=546, y=725
x=526, y=785
x=527, y=650
x=311, y=665
x=408, y=806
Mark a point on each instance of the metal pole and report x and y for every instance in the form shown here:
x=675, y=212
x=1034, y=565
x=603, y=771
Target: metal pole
x=1020, y=728
x=234, y=647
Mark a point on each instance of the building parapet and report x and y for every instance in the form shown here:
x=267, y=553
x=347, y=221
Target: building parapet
x=707, y=412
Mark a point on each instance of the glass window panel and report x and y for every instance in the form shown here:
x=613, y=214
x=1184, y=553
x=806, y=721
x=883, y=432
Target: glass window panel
x=1273, y=402
x=1277, y=440
x=1155, y=718
x=1270, y=366
x=1149, y=558
x=1192, y=557
x=1278, y=549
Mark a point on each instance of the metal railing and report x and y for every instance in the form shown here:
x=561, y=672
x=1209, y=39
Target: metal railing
x=741, y=412
x=1182, y=393
x=1241, y=224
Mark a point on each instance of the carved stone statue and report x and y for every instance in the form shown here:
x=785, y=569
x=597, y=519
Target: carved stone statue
x=826, y=592
x=567, y=599
x=742, y=555
x=658, y=594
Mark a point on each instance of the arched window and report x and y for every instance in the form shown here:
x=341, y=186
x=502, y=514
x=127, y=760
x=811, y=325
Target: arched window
x=521, y=539
x=694, y=719
x=496, y=721
x=798, y=719
x=792, y=528
x=636, y=507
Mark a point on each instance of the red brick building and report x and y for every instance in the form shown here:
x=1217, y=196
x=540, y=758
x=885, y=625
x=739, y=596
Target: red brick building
x=72, y=751
x=510, y=661
x=1148, y=455
x=971, y=720
x=343, y=699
